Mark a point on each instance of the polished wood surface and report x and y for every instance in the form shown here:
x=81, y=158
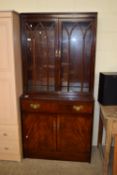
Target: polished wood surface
x=56, y=133
x=40, y=136
x=58, y=55
x=54, y=106
x=72, y=135
x=58, y=52
x=108, y=119
x=115, y=156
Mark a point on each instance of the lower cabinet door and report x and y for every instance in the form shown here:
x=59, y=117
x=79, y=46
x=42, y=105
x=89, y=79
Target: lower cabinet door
x=39, y=134
x=64, y=136
x=74, y=135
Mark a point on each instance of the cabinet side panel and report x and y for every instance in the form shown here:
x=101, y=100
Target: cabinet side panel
x=5, y=45
x=10, y=80
x=6, y=107
x=17, y=73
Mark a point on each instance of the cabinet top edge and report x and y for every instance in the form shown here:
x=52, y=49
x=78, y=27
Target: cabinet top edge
x=7, y=13
x=61, y=14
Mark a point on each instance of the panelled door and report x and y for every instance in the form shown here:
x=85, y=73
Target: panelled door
x=74, y=133
x=76, y=51
x=39, y=134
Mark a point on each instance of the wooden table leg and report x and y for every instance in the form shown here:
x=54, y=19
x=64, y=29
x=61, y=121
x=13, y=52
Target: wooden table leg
x=100, y=131
x=115, y=156
x=107, y=146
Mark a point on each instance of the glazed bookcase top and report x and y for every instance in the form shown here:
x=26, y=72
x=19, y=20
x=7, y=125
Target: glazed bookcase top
x=58, y=52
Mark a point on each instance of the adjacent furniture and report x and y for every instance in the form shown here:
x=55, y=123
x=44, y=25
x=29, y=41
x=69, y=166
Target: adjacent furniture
x=58, y=55
x=10, y=86
x=107, y=88
x=108, y=119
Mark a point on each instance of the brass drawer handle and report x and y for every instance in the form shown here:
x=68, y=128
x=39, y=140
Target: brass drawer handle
x=78, y=108
x=35, y=106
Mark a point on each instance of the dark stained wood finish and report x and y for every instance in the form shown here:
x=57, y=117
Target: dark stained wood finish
x=72, y=135
x=58, y=56
x=58, y=52
x=57, y=107
x=39, y=133
x=57, y=132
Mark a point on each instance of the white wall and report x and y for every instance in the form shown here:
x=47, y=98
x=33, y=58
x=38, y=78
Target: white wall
x=106, y=54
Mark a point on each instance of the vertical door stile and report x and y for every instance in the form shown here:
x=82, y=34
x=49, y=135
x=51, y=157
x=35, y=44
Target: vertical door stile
x=92, y=56
x=24, y=61
x=68, y=60
x=34, y=61
x=56, y=56
x=57, y=59
x=83, y=58
x=59, y=55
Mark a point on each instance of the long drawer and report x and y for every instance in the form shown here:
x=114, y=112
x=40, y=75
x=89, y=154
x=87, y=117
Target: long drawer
x=9, y=147
x=8, y=132
x=56, y=106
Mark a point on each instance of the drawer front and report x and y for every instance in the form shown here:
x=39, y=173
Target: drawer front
x=9, y=147
x=56, y=106
x=8, y=132
x=76, y=107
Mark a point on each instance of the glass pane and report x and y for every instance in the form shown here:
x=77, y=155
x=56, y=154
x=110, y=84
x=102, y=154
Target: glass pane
x=40, y=40
x=76, y=47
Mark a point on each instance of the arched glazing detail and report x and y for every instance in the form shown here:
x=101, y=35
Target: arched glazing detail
x=40, y=41
x=77, y=53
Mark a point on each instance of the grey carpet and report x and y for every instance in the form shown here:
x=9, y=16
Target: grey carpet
x=52, y=167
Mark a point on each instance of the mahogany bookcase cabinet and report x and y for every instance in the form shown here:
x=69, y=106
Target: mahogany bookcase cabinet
x=58, y=56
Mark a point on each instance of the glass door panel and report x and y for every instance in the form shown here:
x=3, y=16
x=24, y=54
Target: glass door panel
x=40, y=48
x=76, y=47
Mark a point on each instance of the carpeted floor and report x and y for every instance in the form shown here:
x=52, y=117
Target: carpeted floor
x=52, y=167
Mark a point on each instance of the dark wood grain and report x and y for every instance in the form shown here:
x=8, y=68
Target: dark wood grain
x=58, y=57
x=57, y=107
x=39, y=133
x=58, y=52
x=72, y=135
